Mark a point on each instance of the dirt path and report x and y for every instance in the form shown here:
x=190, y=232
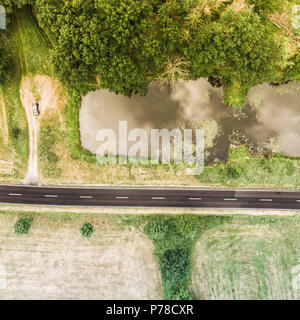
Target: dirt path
x=45, y=91
x=27, y=99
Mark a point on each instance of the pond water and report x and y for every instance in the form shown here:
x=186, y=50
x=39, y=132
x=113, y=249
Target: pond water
x=270, y=121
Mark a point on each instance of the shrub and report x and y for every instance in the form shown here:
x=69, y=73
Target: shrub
x=87, y=230
x=187, y=225
x=175, y=265
x=22, y=226
x=157, y=229
x=234, y=172
x=16, y=132
x=266, y=7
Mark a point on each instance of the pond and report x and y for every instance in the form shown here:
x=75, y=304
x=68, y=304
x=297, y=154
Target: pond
x=269, y=122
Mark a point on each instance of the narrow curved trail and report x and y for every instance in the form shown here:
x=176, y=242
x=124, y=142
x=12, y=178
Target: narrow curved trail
x=27, y=98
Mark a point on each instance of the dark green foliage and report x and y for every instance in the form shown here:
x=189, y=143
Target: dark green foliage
x=5, y=58
x=234, y=172
x=87, y=230
x=16, y=132
x=175, y=265
x=174, y=239
x=263, y=6
x=215, y=82
x=130, y=44
x=22, y=226
x=173, y=252
x=243, y=59
x=116, y=39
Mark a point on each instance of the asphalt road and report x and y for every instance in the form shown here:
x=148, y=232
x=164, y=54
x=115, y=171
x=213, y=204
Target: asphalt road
x=155, y=198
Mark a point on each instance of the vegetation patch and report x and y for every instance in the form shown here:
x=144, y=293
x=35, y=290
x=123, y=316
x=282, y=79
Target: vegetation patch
x=246, y=169
x=22, y=226
x=87, y=230
x=243, y=262
x=173, y=248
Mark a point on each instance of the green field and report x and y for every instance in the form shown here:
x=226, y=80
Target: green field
x=242, y=261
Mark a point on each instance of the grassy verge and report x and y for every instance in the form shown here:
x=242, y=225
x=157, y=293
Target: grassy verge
x=243, y=169
x=32, y=43
x=72, y=118
x=18, y=138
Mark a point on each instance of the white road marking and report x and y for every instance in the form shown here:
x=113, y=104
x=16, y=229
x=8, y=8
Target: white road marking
x=158, y=198
x=122, y=198
x=15, y=194
x=230, y=199
x=195, y=199
x=266, y=200
x=298, y=200
x=50, y=196
x=86, y=197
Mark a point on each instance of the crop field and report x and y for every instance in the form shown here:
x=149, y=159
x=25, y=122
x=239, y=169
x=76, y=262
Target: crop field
x=54, y=262
x=243, y=260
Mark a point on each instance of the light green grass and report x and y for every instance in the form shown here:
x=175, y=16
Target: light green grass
x=32, y=44
x=15, y=113
x=247, y=258
x=244, y=169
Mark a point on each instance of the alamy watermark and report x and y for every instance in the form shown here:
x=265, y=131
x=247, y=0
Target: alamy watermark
x=2, y=18
x=176, y=146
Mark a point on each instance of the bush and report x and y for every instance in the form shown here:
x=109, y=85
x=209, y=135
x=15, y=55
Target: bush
x=87, y=230
x=16, y=132
x=266, y=7
x=187, y=224
x=157, y=229
x=234, y=172
x=175, y=265
x=22, y=226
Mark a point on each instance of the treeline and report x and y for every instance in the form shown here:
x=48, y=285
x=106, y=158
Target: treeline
x=130, y=43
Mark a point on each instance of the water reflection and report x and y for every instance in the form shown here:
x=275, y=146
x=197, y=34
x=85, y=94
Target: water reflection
x=269, y=122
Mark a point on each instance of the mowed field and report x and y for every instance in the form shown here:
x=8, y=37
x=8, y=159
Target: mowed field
x=54, y=262
x=248, y=261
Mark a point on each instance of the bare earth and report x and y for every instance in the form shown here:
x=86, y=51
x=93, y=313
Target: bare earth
x=41, y=89
x=54, y=262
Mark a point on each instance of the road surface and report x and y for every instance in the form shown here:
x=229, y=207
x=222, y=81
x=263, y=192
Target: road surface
x=154, y=198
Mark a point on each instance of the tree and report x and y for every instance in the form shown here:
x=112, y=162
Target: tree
x=238, y=48
x=5, y=64
x=117, y=39
x=22, y=226
x=87, y=230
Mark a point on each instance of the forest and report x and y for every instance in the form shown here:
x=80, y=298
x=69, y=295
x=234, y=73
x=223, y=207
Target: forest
x=127, y=44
